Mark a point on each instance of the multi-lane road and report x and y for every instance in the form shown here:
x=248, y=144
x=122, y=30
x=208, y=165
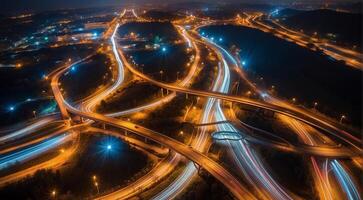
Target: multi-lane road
x=19, y=146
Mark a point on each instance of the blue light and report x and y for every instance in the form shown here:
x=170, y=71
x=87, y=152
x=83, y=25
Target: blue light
x=243, y=62
x=203, y=33
x=11, y=108
x=73, y=68
x=220, y=39
x=163, y=49
x=264, y=95
x=95, y=34
x=37, y=43
x=212, y=38
x=29, y=99
x=46, y=38
x=109, y=147
x=80, y=29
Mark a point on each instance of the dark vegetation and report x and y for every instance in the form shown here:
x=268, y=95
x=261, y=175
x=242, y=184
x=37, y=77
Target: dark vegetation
x=135, y=94
x=160, y=15
x=85, y=78
x=156, y=31
x=112, y=167
x=294, y=174
x=347, y=27
x=206, y=188
x=296, y=72
x=17, y=85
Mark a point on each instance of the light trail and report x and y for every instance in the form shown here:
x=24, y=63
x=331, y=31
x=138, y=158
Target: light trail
x=168, y=165
x=53, y=163
x=31, y=152
x=91, y=103
x=247, y=157
x=199, y=143
x=27, y=130
x=215, y=169
x=351, y=58
x=247, y=161
x=345, y=181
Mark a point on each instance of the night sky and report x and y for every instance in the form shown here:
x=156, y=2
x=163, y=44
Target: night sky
x=13, y=6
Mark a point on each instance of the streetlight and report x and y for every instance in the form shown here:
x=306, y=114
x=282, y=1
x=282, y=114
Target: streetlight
x=294, y=100
x=161, y=74
x=96, y=185
x=249, y=93
x=341, y=118
x=315, y=104
x=54, y=193
x=181, y=132
x=34, y=113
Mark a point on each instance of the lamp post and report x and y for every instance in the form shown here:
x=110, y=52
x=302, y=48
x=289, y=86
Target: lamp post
x=54, y=194
x=341, y=118
x=161, y=75
x=98, y=190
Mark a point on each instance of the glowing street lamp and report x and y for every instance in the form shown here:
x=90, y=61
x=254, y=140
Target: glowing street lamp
x=315, y=104
x=11, y=108
x=54, y=193
x=161, y=74
x=96, y=185
x=341, y=118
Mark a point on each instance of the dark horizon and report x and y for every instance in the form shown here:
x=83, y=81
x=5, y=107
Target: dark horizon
x=30, y=6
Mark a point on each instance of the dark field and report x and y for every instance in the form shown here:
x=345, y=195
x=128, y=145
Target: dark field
x=296, y=71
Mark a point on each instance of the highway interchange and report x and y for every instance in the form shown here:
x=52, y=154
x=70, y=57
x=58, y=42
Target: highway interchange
x=75, y=118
